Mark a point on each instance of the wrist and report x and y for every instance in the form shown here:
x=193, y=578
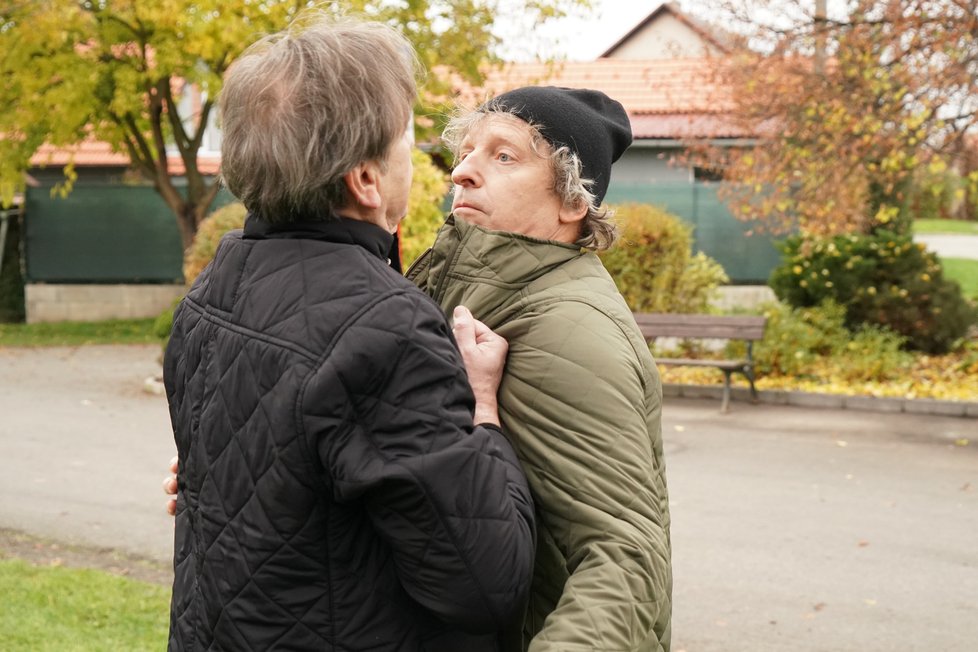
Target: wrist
x=486, y=413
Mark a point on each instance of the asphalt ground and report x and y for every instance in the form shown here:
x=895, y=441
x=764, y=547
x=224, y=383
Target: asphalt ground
x=793, y=529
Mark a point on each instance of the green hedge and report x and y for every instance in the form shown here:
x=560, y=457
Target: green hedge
x=883, y=279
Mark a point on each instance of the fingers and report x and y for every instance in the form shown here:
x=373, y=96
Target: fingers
x=170, y=488
x=471, y=335
x=174, y=464
x=481, y=330
x=485, y=336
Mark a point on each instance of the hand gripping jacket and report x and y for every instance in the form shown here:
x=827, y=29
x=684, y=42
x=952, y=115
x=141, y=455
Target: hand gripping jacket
x=581, y=401
x=334, y=494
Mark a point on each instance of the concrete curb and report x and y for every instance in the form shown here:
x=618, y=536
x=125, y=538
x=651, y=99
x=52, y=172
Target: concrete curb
x=964, y=409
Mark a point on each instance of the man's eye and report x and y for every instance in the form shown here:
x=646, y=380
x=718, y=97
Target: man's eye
x=504, y=157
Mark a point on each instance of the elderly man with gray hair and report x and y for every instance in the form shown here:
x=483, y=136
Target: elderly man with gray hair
x=341, y=485
x=580, y=398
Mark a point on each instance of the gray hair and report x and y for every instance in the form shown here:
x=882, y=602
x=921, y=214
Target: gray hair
x=303, y=107
x=598, y=229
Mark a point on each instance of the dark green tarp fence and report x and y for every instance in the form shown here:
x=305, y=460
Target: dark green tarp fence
x=102, y=234
x=745, y=257
x=110, y=233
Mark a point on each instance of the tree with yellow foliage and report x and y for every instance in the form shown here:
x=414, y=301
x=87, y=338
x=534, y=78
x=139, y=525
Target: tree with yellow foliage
x=114, y=70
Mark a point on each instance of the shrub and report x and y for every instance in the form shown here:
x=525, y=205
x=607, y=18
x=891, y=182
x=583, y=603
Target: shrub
x=209, y=233
x=653, y=266
x=873, y=354
x=425, y=207
x=882, y=279
x=163, y=324
x=796, y=339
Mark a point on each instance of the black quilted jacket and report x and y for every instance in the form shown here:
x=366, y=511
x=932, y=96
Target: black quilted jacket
x=334, y=494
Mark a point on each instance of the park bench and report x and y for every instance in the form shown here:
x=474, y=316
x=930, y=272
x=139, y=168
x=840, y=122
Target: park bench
x=707, y=327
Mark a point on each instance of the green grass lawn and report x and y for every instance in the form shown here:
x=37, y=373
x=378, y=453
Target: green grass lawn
x=55, y=608
x=117, y=331
x=945, y=226
x=965, y=272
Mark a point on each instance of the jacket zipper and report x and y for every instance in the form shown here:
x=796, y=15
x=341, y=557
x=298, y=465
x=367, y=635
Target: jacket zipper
x=450, y=261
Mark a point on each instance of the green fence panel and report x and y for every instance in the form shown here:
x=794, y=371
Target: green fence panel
x=746, y=257
x=102, y=234
x=109, y=233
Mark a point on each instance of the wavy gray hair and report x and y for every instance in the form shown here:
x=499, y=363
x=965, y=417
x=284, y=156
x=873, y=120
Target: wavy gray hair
x=303, y=107
x=598, y=229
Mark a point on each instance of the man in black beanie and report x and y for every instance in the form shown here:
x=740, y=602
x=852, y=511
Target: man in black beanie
x=580, y=397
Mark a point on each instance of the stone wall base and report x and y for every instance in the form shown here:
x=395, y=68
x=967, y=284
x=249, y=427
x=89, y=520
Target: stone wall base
x=733, y=298
x=46, y=302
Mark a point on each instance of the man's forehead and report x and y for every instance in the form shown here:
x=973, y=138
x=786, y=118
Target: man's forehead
x=499, y=126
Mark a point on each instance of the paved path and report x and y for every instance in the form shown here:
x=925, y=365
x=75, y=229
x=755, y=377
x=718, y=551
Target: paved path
x=85, y=448
x=950, y=246
x=793, y=529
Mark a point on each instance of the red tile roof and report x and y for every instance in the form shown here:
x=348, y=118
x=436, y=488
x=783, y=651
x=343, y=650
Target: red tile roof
x=88, y=152
x=96, y=153
x=680, y=126
x=665, y=98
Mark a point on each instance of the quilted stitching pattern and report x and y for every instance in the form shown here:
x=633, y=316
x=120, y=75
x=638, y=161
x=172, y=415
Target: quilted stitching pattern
x=581, y=401
x=333, y=493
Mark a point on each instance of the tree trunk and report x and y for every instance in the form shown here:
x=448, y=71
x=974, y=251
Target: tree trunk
x=187, y=221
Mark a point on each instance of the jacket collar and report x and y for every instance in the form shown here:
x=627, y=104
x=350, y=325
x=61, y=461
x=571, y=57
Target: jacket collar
x=484, y=270
x=337, y=229
x=499, y=256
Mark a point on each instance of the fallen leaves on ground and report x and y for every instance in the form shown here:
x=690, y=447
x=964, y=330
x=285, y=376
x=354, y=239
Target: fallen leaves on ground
x=952, y=377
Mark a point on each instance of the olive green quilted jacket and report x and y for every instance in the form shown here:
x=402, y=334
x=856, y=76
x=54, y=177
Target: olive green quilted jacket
x=581, y=401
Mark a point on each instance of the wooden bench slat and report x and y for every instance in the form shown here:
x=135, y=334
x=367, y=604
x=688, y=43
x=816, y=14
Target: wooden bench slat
x=701, y=326
x=678, y=318
x=710, y=333
x=702, y=362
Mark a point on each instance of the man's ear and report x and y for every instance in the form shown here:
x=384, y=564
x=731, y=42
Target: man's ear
x=363, y=184
x=573, y=213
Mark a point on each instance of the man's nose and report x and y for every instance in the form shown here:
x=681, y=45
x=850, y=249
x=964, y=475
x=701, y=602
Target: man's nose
x=466, y=172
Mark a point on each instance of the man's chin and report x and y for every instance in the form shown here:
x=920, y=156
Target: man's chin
x=469, y=214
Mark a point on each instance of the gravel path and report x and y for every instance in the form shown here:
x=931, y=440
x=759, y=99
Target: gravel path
x=951, y=246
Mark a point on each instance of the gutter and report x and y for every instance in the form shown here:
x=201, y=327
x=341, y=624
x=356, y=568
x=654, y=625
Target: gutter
x=641, y=142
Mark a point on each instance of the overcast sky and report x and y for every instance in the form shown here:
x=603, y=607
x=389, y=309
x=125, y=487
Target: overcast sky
x=581, y=38
x=584, y=36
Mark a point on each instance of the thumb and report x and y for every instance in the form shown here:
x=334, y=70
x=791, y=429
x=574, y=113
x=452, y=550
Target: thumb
x=463, y=327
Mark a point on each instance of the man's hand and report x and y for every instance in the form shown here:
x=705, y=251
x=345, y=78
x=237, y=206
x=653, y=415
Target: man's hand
x=484, y=355
x=170, y=488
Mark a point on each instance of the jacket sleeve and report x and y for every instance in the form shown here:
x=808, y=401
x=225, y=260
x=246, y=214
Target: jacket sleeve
x=584, y=413
x=390, y=413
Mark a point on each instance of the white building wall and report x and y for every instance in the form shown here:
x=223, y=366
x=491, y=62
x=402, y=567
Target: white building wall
x=666, y=37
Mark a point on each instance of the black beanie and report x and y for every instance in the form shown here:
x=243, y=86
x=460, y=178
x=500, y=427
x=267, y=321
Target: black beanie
x=591, y=124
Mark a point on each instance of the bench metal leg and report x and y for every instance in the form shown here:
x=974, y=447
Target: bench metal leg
x=749, y=372
x=725, y=405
